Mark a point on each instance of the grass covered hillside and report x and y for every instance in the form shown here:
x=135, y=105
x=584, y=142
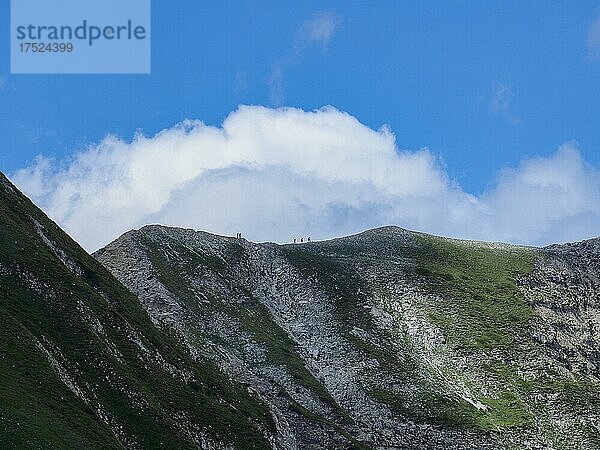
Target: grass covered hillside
x=83, y=366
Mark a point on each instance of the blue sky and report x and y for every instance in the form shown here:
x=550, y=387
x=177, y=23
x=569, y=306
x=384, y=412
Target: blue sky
x=482, y=85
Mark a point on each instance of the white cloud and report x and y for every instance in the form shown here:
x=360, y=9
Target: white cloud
x=544, y=200
x=276, y=174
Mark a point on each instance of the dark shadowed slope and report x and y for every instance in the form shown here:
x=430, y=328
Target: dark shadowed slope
x=83, y=366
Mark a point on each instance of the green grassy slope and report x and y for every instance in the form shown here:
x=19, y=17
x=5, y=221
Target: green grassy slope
x=121, y=370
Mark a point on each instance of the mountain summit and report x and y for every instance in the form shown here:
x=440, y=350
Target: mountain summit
x=387, y=339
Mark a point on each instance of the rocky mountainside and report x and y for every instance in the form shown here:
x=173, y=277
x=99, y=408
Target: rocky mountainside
x=387, y=339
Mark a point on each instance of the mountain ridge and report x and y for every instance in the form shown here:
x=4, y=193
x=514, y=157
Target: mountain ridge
x=375, y=230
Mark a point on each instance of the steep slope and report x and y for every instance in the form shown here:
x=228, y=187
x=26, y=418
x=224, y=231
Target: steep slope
x=386, y=339
x=83, y=366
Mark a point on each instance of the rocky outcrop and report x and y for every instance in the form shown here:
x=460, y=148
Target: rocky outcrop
x=564, y=289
